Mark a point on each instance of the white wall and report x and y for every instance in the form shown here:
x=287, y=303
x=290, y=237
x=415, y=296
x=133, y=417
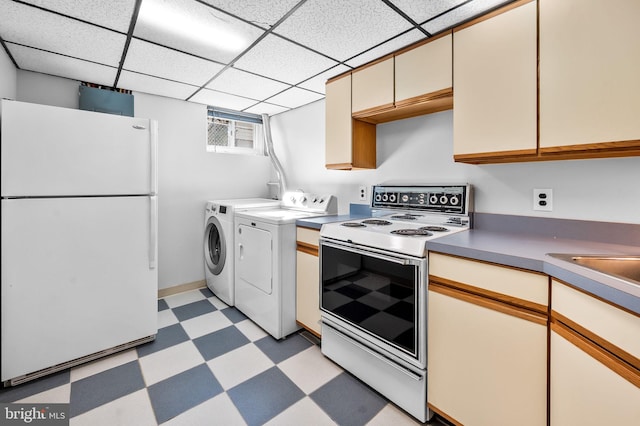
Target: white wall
x=419, y=150
x=188, y=175
x=8, y=76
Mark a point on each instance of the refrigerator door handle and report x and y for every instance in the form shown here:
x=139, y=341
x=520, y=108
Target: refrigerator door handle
x=153, y=231
x=153, y=135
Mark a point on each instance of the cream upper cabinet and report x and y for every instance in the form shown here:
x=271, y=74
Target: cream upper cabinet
x=373, y=87
x=423, y=70
x=487, y=343
x=349, y=144
x=589, y=75
x=594, y=361
x=495, y=85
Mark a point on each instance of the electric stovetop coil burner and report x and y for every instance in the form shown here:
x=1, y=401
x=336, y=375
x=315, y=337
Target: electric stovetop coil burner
x=353, y=225
x=380, y=222
x=412, y=232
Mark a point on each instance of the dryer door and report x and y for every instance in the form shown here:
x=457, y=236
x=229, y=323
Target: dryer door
x=215, y=251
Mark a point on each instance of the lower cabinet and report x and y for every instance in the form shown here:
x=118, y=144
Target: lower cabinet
x=487, y=347
x=308, y=280
x=595, y=361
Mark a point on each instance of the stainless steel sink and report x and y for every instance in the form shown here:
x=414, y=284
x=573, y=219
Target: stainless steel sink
x=619, y=266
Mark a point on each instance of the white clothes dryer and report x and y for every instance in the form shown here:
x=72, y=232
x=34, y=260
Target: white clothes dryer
x=219, y=243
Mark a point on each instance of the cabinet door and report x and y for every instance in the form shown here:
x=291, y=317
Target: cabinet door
x=485, y=367
x=373, y=88
x=308, y=291
x=338, y=122
x=495, y=87
x=423, y=70
x=589, y=85
x=584, y=391
x=308, y=279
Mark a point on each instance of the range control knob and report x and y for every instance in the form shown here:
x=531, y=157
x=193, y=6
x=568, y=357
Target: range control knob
x=385, y=197
x=303, y=199
x=392, y=197
x=405, y=198
x=433, y=199
x=443, y=199
x=378, y=197
x=454, y=200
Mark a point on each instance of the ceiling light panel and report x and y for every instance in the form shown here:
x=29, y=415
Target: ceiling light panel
x=342, y=29
x=282, y=60
x=154, y=85
x=317, y=83
x=242, y=83
x=386, y=48
x=194, y=28
x=222, y=100
x=262, y=13
x=421, y=11
x=295, y=97
x=266, y=108
x=114, y=14
x=62, y=66
x=36, y=28
x=461, y=14
x=148, y=58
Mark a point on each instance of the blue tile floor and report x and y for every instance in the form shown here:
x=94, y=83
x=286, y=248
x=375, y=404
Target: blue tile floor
x=210, y=365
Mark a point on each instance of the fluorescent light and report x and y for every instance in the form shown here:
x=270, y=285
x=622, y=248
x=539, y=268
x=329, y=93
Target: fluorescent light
x=169, y=17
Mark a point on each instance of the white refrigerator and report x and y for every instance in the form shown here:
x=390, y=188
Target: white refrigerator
x=79, y=236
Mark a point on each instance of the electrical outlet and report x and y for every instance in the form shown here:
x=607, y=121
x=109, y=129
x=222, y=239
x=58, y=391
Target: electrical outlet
x=543, y=199
x=362, y=193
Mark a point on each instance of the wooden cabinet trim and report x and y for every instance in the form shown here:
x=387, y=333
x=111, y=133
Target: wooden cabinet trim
x=605, y=344
x=442, y=286
x=310, y=330
x=615, y=364
x=307, y=248
x=630, y=148
x=498, y=156
x=443, y=415
x=369, y=112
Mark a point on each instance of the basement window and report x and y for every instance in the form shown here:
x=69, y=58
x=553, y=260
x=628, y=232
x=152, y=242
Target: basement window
x=234, y=132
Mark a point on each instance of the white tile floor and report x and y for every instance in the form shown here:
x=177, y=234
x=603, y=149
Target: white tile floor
x=210, y=365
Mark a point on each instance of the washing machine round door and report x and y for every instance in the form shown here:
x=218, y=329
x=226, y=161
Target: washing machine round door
x=215, y=251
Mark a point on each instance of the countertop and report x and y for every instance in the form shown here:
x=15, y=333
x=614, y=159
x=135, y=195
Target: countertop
x=529, y=252
x=515, y=241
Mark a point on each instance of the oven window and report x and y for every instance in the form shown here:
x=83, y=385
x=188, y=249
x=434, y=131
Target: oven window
x=376, y=295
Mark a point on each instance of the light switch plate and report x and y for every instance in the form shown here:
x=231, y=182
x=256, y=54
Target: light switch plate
x=543, y=199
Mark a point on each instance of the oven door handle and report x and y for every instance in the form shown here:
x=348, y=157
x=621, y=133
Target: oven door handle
x=370, y=253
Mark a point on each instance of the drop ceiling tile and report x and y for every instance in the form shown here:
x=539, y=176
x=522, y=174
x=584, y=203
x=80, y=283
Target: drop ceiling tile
x=266, y=108
x=421, y=11
x=114, y=14
x=222, y=100
x=62, y=66
x=43, y=30
x=282, y=60
x=342, y=29
x=148, y=58
x=295, y=97
x=242, y=83
x=194, y=28
x=263, y=13
x=155, y=86
x=388, y=47
x=317, y=83
x=461, y=14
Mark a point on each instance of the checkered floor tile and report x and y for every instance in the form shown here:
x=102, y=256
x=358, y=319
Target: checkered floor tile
x=210, y=365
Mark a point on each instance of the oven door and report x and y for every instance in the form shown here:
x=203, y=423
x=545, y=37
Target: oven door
x=377, y=295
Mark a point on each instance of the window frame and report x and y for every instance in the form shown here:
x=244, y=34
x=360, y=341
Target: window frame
x=234, y=117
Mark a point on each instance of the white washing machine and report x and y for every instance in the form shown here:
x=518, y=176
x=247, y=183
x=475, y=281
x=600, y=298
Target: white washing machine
x=219, y=243
x=265, y=260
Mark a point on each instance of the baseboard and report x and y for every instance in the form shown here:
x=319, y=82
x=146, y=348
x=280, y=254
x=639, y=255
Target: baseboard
x=164, y=292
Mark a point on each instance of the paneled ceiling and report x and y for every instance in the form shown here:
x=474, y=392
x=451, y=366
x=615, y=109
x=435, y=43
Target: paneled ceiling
x=260, y=56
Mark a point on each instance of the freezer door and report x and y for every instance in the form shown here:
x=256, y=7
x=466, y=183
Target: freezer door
x=52, y=151
x=78, y=277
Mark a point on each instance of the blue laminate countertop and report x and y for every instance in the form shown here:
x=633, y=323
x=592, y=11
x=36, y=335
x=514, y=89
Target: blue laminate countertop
x=529, y=251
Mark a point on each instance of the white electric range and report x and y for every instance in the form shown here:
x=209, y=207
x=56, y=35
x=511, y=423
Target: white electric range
x=373, y=279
